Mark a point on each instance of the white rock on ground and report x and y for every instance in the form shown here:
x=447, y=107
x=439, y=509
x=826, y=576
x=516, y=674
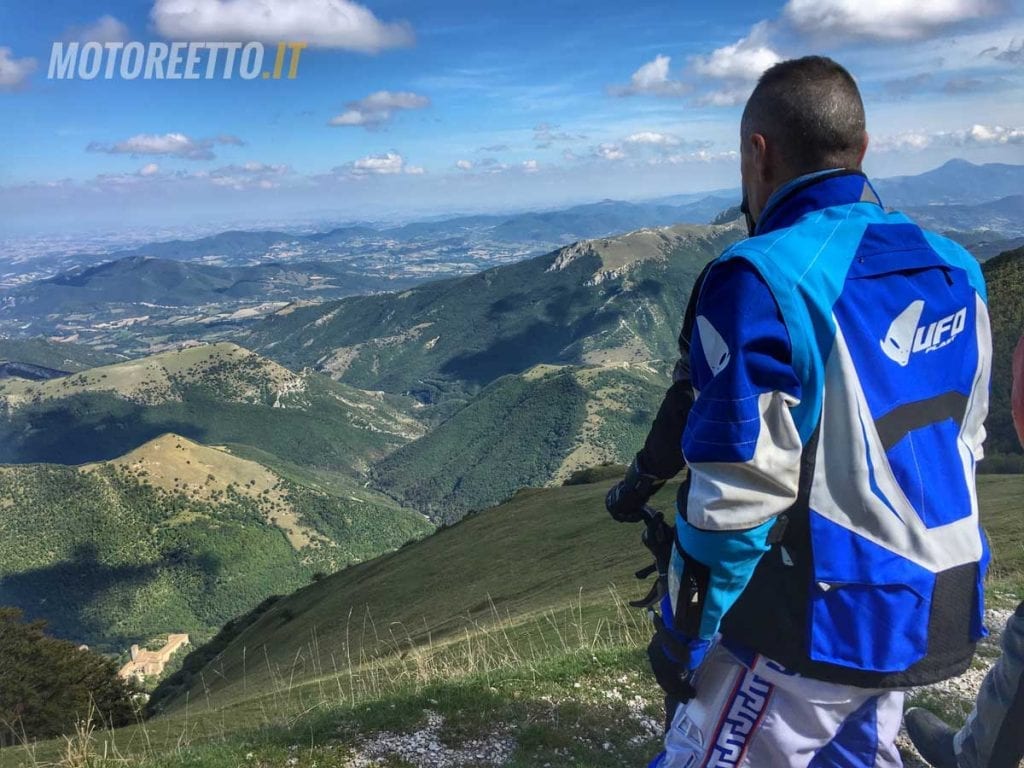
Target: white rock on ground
x=424, y=748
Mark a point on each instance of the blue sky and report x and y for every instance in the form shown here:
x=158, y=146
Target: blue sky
x=402, y=109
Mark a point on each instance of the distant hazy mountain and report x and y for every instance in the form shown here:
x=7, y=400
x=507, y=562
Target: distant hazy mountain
x=615, y=299
x=957, y=181
x=540, y=228
x=161, y=282
x=605, y=218
x=50, y=354
x=985, y=244
x=1003, y=217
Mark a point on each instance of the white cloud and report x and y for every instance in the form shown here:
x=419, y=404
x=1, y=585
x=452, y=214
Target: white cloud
x=726, y=97
x=609, y=152
x=530, y=166
x=652, y=138
x=392, y=162
x=702, y=156
x=744, y=60
x=735, y=68
x=169, y=144
x=491, y=165
x=251, y=175
x=378, y=108
x=976, y=136
x=149, y=169
x=320, y=23
x=652, y=79
x=882, y=19
x=106, y=29
x=464, y=165
x=389, y=164
x=14, y=72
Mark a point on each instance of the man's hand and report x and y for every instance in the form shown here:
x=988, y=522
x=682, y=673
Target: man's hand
x=674, y=675
x=625, y=501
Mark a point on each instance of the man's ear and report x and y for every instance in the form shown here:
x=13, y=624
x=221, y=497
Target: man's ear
x=759, y=155
x=864, y=151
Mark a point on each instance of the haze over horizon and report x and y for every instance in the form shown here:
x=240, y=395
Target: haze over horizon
x=405, y=110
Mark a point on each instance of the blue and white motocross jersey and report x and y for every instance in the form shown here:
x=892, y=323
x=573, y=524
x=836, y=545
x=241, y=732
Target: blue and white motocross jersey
x=841, y=362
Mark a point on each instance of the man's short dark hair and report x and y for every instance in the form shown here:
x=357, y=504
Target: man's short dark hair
x=811, y=111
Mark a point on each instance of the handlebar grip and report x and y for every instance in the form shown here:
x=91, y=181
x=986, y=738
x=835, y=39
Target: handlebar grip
x=651, y=515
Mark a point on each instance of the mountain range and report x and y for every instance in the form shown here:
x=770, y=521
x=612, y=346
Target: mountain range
x=599, y=301
x=350, y=423
x=956, y=182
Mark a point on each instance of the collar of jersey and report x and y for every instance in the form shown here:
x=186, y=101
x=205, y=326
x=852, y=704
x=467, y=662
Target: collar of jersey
x=814, y=192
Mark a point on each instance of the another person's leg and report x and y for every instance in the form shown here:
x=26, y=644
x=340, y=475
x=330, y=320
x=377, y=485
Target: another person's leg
x=993, y=736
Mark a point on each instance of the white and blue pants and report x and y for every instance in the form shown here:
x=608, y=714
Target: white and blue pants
x=761, y=716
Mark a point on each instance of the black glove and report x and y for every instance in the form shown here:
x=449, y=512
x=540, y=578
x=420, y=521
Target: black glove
x=625, y=501
x=673, y=676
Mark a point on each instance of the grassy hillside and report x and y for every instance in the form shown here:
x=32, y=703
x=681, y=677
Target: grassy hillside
x=51, y=354
x=175, y=536
x=546, y=550
x=524, y=430
x=612, y=300
x=1005, y=277
x=503, y=635
x=540, y=551
x=214, y=394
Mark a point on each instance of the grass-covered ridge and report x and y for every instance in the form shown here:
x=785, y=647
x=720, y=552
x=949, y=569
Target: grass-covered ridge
x=176, y=536
x=211, y=393
x=617, y=299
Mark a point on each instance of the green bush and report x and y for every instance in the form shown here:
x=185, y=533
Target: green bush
x=49, y=685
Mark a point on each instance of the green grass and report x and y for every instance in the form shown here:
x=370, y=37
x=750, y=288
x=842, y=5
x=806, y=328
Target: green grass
x=1003, y=519
x=510, y=621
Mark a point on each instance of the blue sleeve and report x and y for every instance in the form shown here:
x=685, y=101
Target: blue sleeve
x=740, y=443
x=740, y=350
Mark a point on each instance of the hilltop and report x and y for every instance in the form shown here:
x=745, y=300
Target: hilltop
x=957, y=182
x=614, y=299
x=176, y=536
x=212, y=393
